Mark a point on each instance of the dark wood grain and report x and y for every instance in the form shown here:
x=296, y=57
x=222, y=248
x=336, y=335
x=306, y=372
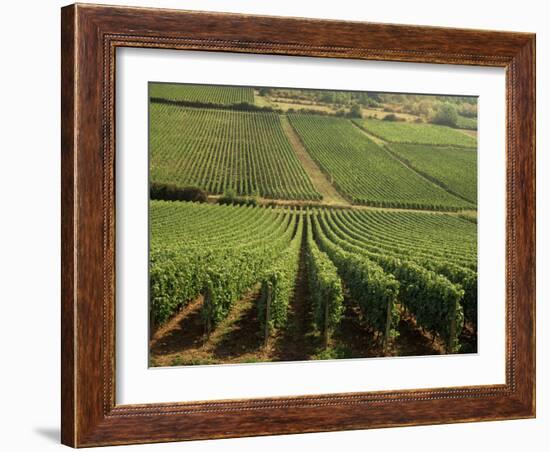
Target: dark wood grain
x=67, y=226
x=90, y=36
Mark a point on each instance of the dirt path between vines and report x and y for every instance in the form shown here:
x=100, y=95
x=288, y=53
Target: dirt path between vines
x=235, y=340
x=319, y=180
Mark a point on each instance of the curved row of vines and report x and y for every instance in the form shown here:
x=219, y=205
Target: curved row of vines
x=387, y=263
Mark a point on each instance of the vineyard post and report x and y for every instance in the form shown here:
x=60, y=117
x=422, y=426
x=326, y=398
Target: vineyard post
x=151, y=324
x=267, y=314
x=207, y=307
x=452, y=329
x=388, y=325
x=326, y=331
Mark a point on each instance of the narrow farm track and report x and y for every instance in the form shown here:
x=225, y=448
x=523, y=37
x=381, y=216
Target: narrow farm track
x=383, y=145
x=320, y=182
x=472, y=133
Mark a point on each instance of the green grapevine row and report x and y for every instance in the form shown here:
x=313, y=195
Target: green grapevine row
x=221, y=150
x=325, y=286
x=457, y=263
x=425, y=262
x=278, y=282
x=453, y=168
x=208, y=94
x=431, y=298
x=363, y=171
x=370, y=286
x=411, y=133
x=235, y=271
x=181, y=268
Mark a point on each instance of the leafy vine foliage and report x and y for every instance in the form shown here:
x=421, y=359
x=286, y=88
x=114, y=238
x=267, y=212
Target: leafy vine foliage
x=278, y=283
x=325, y=286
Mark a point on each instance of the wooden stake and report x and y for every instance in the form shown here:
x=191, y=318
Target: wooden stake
x=388, y=325
x=452, y=330
x=267, y=314
x=325, y=333
x=151, y=325
x=207, y=307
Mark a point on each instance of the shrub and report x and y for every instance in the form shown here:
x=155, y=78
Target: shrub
x=229, y=197
x=392, y=117
x=169, y=192
x=355, y=111
x=446, y=115
x=468, y=110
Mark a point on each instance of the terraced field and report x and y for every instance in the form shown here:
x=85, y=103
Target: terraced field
x=206, y=94
x=220, y=150
x=363, y=171
x=411, y=133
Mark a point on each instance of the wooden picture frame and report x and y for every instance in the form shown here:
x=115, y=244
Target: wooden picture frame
x=90, y=35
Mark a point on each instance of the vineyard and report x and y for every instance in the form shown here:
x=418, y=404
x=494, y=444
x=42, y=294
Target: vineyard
x=218, y=249
x=289, y=225
x=389, y=265
x=455, y=169
x=221, y=151
x=410, y=133
x=205, y=94
x=363, y=171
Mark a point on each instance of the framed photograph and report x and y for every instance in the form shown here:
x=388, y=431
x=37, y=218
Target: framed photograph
x=281, y=225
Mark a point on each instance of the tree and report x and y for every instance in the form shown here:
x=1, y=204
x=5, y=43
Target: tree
x=446, y=115
x=355, y=111
x=327, y=97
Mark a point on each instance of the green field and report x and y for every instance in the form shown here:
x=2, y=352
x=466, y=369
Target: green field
x=334, y=236
x=411, y=133
x=365, y=172
x=426, y=262
x=453, y=168
x=221, y=150
x=466, y=123
x=224, y=250
x=206, y=94
x=438, y=284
